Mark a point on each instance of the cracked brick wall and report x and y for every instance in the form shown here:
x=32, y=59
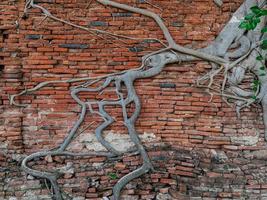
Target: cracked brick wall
x=200, y=148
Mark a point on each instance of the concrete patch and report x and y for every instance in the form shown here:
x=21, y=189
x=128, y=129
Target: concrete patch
x=120, y=142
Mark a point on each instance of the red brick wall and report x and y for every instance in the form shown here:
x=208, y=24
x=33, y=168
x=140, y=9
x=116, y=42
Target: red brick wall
x=193, y=133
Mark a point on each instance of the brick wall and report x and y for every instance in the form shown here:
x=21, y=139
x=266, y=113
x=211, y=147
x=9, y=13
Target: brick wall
x=200, y=148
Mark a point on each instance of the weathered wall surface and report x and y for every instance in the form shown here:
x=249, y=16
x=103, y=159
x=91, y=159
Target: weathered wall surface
x=200, y=148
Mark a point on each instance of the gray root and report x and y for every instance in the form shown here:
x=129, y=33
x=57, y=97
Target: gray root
x=233, y=65
x=218, y=2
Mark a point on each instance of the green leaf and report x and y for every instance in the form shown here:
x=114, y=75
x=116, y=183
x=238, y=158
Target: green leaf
x=264, y=44
x=262, y=68
x=256, y=10
x=249, y=16
x=255, y=85
x=259, y=58
x=256, y=82
x=254, y=97
x=243, y=25
x=253, y=26
x=257, y=20
x=112, y=176
x=263, y=74
x=264, y=30
x=263, y=12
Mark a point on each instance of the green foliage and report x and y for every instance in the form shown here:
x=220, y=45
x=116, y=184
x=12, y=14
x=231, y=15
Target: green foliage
x=264, y=30
x=259, y=58
x=250, y=22
x=253, y=19
x=254, y=97
x=255, y=85
x=264, y=45
x=112, y=176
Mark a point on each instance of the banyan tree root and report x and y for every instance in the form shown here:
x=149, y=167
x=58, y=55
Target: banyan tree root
x=154, y=65
x=232, y=54
x=218, y=2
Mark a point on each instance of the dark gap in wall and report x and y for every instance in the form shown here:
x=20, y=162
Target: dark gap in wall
x=5, y=36
x=2, y=67
x=44, y=1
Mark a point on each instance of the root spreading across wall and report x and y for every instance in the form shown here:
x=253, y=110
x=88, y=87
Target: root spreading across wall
x=232, y=55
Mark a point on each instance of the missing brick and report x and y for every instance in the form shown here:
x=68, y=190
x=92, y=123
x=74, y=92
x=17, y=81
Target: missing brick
x=5, y=36
x=2, y=67
x=74, y=46
x=33, y=37
x=167, y=85
x=136, y=49
x=98, y=23
x=44, y=1
x=122, y=14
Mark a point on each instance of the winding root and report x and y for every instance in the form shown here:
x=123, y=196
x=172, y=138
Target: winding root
x=52, y=177
x=233, y=72
x=126, y=179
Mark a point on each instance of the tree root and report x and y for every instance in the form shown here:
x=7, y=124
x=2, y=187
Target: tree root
x=231, y=65
x=52, y=177
x=218, y=2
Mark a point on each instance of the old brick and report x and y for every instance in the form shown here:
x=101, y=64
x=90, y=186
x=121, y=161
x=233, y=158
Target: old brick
x=213, y=174
x=168, y=181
